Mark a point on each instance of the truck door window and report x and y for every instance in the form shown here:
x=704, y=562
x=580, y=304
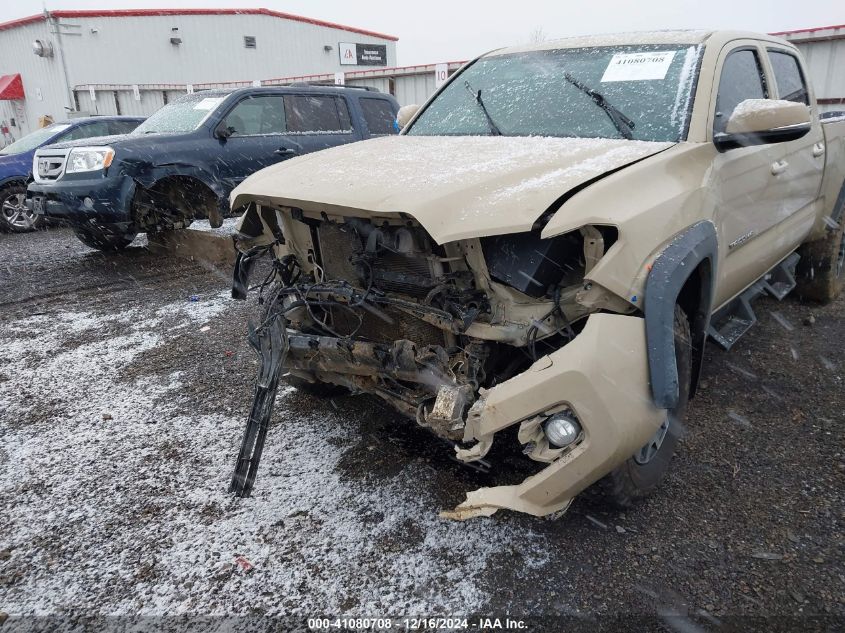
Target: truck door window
x=742, y=78
x=788, y=77
x=255, y=116
x=309, y=114
x=379, y=115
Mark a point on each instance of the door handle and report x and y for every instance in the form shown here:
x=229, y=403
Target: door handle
x=285, y=151
x=779, y=167
x=818, y=149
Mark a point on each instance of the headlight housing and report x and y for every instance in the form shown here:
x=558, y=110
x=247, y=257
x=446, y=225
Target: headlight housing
x=83, y=159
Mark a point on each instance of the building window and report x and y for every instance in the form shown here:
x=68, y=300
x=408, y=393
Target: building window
x=249, y=41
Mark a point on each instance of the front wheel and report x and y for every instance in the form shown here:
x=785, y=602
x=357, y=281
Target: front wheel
x=104, y=237
x=14, y=216
x=641, y=473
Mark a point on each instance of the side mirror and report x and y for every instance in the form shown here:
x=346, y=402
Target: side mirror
x=223, y=131
x=405, y=114
x=764, y=121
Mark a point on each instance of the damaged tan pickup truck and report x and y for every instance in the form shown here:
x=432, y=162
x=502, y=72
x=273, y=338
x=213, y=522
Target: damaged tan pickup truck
x=539, y=257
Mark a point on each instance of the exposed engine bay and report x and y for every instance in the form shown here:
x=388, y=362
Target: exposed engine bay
x=375, y=306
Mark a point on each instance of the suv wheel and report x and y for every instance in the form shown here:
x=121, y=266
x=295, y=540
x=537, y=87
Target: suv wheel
x=105, y=237
x=642, y=472
x=14, y=216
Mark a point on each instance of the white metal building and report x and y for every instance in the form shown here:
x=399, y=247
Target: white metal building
x=824, y=49
x=409, y=84
x=57, y=52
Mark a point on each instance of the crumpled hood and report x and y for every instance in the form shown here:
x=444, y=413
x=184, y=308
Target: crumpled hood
x=455, y=187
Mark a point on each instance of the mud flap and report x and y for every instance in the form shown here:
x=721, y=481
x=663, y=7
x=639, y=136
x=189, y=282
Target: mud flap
x=270, y=341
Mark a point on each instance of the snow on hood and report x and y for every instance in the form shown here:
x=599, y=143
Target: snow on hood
x=455, y=187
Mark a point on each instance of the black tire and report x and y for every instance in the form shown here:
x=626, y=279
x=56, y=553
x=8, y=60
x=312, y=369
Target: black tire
x=316, y=389
x=14, y=216
x=821, y=269
x=105, y=238
x=636, y=479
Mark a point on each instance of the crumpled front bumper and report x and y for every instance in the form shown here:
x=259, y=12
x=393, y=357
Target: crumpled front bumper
x=80, y=200
x=601, y=375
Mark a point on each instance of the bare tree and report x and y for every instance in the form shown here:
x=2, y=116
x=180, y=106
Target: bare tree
x=537, y=35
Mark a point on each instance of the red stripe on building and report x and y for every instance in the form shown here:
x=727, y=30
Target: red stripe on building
x=123, y=13
x=812, y=30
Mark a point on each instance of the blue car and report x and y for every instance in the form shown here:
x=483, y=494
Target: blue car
x=16, y=162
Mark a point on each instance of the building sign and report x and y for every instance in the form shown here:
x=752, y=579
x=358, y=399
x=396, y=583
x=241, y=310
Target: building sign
x=352, y=54
x=441, y=74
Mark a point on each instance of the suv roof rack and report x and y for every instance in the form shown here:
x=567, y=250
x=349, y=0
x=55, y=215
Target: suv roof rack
x=307, y=84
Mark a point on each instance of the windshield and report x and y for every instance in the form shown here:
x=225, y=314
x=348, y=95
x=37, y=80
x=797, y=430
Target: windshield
x=183, y=115
x=36, y=139
x=548, y=93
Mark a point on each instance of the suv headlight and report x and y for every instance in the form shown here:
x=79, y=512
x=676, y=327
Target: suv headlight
x=89, y=159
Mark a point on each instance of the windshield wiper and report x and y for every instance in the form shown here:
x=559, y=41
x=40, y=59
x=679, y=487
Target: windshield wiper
x=494, y=129
x=620, y=121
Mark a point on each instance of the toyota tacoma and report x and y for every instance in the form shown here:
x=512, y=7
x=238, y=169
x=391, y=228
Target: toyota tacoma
x=541, y=254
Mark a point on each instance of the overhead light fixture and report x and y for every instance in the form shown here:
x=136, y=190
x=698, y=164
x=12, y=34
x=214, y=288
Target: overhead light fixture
x=42, y=49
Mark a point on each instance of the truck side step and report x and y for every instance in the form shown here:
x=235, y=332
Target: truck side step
x=780, y=281
x=737, y=317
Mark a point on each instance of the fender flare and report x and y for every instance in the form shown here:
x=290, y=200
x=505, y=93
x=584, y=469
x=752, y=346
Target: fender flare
x=669, y=272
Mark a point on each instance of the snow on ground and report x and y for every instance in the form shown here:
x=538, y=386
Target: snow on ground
x=114, y=493
x=227, y=228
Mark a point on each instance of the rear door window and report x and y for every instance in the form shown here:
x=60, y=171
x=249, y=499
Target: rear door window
x=788, y=77
x=379, y=116
x=742, y=78
x=257, y=116
x=317, y=114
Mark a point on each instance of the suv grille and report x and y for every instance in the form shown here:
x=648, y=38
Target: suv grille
x=49, y=165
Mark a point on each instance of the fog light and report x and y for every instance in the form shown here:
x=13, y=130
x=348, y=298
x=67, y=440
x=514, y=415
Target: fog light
x=88, y=203
x=562, y=429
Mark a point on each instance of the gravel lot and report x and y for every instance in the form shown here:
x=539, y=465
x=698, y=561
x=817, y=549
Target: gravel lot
x=122, y=403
